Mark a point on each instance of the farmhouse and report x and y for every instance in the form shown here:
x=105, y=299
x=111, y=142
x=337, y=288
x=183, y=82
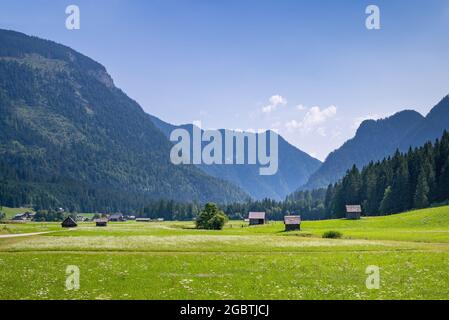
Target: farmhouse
x=20, y=217
x=256, y=218
x=68, y=223
x=116, y=217
x=101, y=222
x=30, y=215
x=24, y=216
x=292, y=223
x=353, y=212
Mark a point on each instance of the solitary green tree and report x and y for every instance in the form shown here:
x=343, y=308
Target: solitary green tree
x=211, y=218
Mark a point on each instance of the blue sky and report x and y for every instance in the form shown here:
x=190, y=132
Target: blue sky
x=309, y=69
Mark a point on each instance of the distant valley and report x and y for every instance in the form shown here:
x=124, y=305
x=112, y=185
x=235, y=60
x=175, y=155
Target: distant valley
x=376, y=139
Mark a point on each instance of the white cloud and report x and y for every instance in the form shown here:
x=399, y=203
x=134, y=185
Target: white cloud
x=274, y=102
x=292, y=125
x=277, y=99
x=300, y=107
x=317, y=116
x=321, y=131
x=314, y=117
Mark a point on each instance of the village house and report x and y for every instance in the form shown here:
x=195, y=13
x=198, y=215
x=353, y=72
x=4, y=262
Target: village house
x=24, y=216
x=19, y=217
x=353, y=212
x=69, y=223
x=256, y=218
x=292, y=223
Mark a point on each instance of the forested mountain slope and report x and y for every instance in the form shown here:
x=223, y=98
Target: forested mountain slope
x=70, y=138
x=295, y=167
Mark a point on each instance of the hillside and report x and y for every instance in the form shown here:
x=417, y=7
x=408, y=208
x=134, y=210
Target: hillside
x=11, y=212
x=71, y=138
x=295, y=167
x=426, y=225
x=375, y=140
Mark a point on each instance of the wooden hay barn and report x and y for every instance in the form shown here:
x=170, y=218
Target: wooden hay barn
x=292, y=223
x=101, y=222
x=256, y=218
x=353, y=212
x=69, y=223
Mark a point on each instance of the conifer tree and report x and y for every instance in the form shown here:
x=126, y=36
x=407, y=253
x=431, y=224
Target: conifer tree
x=421, y=199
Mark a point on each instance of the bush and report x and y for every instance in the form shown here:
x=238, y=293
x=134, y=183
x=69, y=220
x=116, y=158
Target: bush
x=332, y=235
x=211, y=218
x=2, y=216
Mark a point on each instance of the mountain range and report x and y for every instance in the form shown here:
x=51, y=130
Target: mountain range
x=71, y=138
x=294, y=168
x=377, y=139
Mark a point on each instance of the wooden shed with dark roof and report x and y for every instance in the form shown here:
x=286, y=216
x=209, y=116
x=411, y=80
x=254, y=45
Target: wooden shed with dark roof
x=69, y=223
x=353, y=212
x=256, y=218
x=292, y=223
x=101, y=222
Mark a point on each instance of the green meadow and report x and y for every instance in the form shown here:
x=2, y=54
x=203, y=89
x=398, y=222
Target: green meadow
x=11, y=212
x=172, y=260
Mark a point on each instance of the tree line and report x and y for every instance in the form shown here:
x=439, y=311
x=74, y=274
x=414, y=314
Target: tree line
x=412, y=180
x=416, y=179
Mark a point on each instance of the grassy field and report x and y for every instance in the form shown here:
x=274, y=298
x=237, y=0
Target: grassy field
x=172, y=260
x=11, y=212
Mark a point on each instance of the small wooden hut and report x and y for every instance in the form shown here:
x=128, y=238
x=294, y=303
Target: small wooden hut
x=69, y=223
x=292, y=223
x=256, y=218
x=101, y=222
x=353, y=212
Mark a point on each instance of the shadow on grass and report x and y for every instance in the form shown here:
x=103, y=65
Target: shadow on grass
x=302, y=234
